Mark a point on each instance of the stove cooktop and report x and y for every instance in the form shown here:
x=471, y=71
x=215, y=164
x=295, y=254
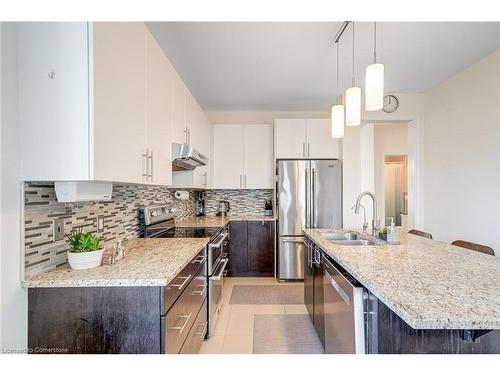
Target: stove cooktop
x=186, y=233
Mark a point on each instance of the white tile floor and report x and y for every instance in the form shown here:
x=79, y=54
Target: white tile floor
x=234, y=331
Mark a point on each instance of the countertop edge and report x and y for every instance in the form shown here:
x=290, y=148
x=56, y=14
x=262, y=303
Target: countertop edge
x=413, y=322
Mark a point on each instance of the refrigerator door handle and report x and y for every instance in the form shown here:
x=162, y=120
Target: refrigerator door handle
x=313, y=203
x=308, y=192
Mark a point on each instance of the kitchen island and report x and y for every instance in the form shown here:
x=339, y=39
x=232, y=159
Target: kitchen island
x=132, y=306
x=431, y=297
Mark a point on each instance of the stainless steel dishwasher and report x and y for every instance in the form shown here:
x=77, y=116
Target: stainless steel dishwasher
x=344, y=318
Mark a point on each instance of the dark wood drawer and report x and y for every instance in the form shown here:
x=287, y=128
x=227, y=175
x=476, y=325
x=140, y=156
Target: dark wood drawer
x=173, y=290
x=197, y=333
x=180, y=318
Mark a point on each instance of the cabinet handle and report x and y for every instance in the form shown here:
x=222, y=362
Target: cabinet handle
x=145, y=165
x=204, y=330
x=241, y=185
x=303, y=150
x=245, y=180
x=150, y=166
x=206, y=179
x=180, y=286
x=308, y=150
x=181, y=328
x=200, y=292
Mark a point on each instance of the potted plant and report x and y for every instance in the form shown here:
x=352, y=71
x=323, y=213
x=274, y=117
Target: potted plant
x=84, y=252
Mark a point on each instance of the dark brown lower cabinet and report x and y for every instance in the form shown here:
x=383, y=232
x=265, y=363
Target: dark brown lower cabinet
x=251, y=249
x=313, y=287
x=134, y=320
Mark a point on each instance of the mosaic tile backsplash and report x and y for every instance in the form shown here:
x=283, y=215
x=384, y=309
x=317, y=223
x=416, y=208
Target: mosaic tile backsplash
x=120, y=216
x=243, y=202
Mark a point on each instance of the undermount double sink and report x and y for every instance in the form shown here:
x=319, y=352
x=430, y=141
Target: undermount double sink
x=348, y=239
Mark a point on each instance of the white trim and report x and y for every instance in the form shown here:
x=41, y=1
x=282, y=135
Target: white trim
x=90, y=64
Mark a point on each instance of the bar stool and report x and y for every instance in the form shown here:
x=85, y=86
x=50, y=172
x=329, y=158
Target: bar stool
x=417, y=232
x=474, y=246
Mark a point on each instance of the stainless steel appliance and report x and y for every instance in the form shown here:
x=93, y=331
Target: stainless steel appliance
x=158, y=222
x=343, y=309
x=186, y=158
x=224, y=208
x=309, y=195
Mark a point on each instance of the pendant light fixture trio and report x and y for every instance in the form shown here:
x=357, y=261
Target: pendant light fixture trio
x=374, y=88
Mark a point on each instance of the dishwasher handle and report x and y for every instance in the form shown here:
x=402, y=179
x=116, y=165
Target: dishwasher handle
x=341, y=292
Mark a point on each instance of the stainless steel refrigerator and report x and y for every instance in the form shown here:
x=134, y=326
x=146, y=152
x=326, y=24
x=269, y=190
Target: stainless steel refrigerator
x=309, y=195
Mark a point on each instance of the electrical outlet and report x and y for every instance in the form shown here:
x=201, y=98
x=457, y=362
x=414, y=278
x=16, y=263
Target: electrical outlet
x=100, y=223
x=58, y=226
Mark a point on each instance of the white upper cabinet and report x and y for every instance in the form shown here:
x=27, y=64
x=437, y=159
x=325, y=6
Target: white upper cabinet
x=320, y=144
x=179, y=110
x=158, y=114
x=53, y=94
x=119, y=82
x=228, y=156
x=290, y=138
x=96, y=103
x=243, y=156
x=301, y=138
x=258, y=156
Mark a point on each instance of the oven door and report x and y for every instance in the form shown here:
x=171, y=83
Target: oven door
x=216, y=250
x=215, y=294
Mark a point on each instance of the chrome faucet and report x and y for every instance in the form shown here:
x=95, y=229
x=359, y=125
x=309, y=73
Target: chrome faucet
x=374, y=201
x=365, y=223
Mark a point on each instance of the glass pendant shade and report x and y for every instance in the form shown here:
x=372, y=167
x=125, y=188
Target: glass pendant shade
x=338, y=121
x=374, y=90
x=353, y=106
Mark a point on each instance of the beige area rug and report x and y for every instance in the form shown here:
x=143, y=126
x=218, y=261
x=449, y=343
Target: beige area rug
x=285, y=334
x=267, y=294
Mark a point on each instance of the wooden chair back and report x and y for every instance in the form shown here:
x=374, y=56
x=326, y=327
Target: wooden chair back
x=474, y=246
x=420, y=233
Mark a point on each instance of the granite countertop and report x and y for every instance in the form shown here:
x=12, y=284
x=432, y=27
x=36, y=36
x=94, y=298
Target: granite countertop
x=147, y=262
x=218, y=221
x=429, y=284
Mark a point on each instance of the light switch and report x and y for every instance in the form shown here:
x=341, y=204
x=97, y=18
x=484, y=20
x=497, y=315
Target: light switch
x=100, y=223
x=58, y=227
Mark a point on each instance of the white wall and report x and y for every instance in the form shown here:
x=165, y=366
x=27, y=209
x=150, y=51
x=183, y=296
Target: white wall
x=389, y=139
x=13, y=296
x=462, y=156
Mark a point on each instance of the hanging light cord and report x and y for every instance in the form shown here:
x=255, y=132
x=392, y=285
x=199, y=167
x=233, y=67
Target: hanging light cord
x=353, y=80
x=337, y=100
x=375, y=42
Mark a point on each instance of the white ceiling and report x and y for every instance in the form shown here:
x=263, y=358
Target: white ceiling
x=291, y=66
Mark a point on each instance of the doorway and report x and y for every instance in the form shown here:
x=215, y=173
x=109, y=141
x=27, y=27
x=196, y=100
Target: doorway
x=396, y=189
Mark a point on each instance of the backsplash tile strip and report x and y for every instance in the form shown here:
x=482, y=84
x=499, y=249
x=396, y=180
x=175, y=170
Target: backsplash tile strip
x=120, y=216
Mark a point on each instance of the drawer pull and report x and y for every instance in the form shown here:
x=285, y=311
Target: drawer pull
x=181, y=328
x=199, y=259
x=180, y=286
x=200, y=292
x=203, y=331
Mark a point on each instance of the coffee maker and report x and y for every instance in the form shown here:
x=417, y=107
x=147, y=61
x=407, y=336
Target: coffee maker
x=200, y=203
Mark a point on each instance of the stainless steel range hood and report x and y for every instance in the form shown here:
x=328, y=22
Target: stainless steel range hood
x=186, y=158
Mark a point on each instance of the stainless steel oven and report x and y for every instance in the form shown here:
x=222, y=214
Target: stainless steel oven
x=217, y=253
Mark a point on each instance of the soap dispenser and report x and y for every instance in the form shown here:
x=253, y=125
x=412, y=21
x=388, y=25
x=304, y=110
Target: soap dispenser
x=392, y=234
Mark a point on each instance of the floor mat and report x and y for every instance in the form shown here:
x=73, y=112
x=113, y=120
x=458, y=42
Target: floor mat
x=267, y=294
x=285, y=334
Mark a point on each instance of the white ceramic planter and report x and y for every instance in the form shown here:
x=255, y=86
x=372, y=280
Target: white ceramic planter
x=84, y=261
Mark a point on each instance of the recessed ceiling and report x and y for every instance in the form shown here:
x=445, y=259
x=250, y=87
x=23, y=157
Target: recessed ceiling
x=268, y=66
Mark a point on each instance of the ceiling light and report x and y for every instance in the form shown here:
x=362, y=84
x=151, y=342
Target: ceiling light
x=374, y=80
x=337, y=112
x=353, y=97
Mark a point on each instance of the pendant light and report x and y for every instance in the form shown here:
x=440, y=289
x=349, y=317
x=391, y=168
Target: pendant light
x=374, y=80
x=338, y=109
x=353, y=97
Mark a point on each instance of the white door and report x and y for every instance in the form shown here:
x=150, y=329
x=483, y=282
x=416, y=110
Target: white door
x=179, y=102
x=320, y=144
x=158, y=114
x=119, y=100
x=228, y=156
x=258, y=156
x=290, y=138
